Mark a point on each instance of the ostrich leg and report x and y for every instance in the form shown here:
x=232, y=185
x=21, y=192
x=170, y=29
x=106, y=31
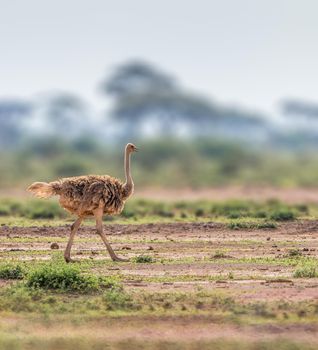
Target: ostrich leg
x=99, y=228
x=74, y=228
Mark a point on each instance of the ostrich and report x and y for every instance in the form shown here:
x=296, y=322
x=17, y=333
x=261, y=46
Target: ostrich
x=91, y=195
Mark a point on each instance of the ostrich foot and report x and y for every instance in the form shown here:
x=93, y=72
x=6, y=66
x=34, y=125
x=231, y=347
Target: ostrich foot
x=68, y=259
x=118, y=259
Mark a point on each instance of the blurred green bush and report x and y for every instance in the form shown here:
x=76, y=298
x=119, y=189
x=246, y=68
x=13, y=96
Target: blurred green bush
x=168, y=163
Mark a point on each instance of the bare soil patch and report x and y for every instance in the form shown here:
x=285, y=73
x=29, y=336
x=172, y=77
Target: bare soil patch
x=250, y=266
x=184, y=255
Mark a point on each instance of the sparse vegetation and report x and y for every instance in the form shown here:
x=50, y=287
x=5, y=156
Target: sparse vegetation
x=294, y=253
x=143, y=259
x=11, y=271
x=267, y=225
x=238, y=214
x=198, y=271
x=283, y=215
x=239, y=224
x=63, y=277
x=219, y=255
x=118, y=299
x=307, y=270
x=213, y=163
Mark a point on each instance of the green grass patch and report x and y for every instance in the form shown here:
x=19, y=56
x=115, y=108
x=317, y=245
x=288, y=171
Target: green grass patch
x=251, y=225
x=117, y=299
x=267, y=225
x=10, y=271
x=307, y=270
x=294, y=253
x=143, y=259
x=31, y=208
x=143, y=210
x=219, y=255
x=58, y=275
x=283, y=215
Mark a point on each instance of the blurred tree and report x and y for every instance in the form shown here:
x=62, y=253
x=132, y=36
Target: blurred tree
x=149, y=103
x=158, y=113
x=13, y=114
x=301, y=123
x=65, y=115
x=137, y=77
x=45, y=147
x=299, y=108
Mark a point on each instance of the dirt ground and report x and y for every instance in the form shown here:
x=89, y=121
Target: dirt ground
x=185, y=261
x=185, y=250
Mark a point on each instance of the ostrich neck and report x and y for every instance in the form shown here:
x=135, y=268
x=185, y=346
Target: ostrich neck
x=129, y=185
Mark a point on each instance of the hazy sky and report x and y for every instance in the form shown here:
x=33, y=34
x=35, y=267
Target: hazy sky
x=242, y=52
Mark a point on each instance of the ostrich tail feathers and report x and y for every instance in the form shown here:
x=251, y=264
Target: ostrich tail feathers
x=42, y=189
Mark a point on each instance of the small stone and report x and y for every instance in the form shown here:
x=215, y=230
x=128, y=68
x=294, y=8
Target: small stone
x=268, y=238
x=54, y=245
x=150, y=248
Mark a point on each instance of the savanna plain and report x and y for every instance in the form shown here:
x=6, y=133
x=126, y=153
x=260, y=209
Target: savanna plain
x=209, y=273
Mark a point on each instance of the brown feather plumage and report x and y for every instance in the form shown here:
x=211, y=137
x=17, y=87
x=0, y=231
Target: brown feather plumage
x=84, y=194
x=81, y=195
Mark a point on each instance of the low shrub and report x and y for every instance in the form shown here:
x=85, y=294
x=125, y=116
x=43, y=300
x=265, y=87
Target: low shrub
x=11, y=271
x=4, y=210
x=260, y=214
x=43, y=210
x=230, y=276
x=302, y=208
x=231, y=207
x=109, y=282
x=237, y=225
x=234, y=215
x=128, y=213
x=143, y=259
x=267, y=225
x=165, y=213
x=294, y=253
x=307, y=270
x=199, y=212
x=283, y=215
x=219, y=255
x=63, y=277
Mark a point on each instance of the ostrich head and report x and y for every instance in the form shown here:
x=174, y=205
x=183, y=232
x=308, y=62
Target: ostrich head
x=130, y=148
